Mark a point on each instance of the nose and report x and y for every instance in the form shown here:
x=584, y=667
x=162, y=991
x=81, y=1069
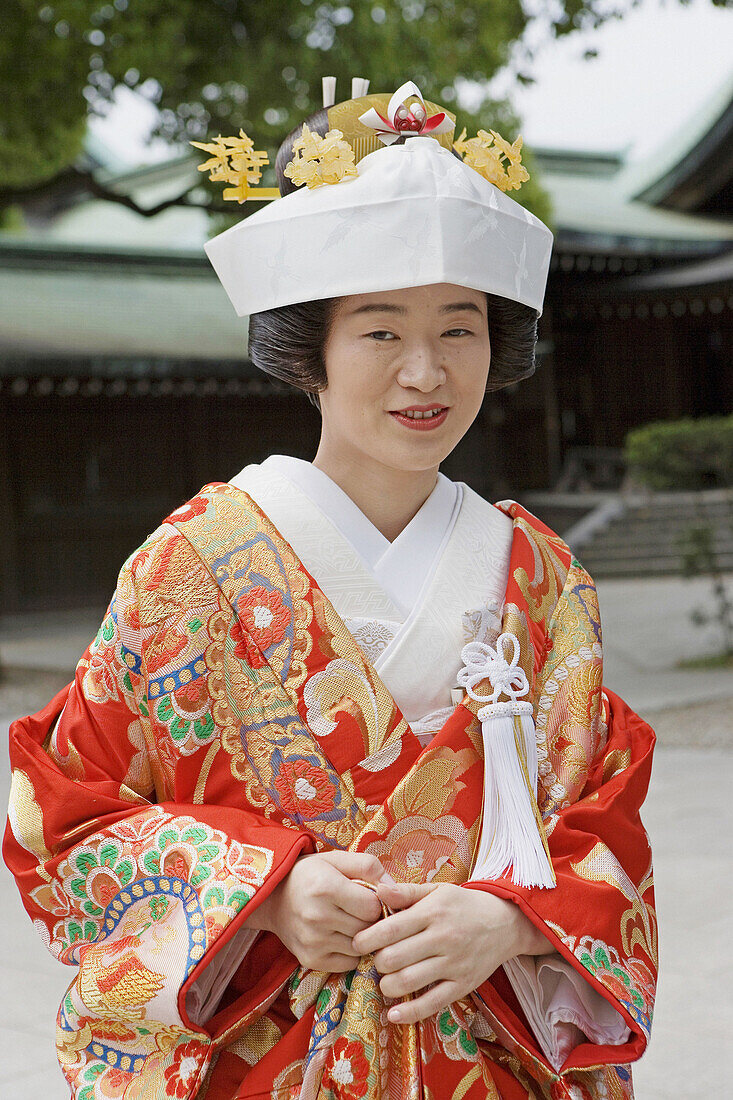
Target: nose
x=421, y=368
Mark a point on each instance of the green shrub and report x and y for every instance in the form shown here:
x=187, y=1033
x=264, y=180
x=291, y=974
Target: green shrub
x=682, y=454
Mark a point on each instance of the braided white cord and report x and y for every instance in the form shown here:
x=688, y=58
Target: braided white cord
x=482, y=661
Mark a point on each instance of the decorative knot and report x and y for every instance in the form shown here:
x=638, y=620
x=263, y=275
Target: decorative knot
x=405, y=119
x=482, y=661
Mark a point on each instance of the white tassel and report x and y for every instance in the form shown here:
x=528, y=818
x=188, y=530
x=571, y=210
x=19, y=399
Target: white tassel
x=359, y=86
x=328, y=86
x=512, y=834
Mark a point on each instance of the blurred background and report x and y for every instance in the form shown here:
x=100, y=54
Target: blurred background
x=125, y=384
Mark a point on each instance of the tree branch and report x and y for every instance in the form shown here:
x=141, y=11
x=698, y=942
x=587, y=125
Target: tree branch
x=73, y=179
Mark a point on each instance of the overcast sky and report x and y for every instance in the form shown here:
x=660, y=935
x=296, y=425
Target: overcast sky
x=654, y=69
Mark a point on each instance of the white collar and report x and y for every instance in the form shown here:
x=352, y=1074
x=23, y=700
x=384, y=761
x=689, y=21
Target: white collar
x=401, y=566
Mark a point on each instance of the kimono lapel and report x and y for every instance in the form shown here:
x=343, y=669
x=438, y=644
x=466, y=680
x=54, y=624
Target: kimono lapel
x=287, y=629
x=286, y=622
x=538, y=569
x=471, y=575
x=314, y=536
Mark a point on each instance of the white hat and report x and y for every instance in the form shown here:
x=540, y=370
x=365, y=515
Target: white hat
x=413, y=214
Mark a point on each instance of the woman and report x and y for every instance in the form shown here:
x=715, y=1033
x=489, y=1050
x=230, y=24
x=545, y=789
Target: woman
x=337, y=805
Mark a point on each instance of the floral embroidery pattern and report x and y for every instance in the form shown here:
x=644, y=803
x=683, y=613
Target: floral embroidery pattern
x=186, y=716
x=181, y=1076
x=196, y=506
x=305, y=790
x=137, y=895
x=630, y=981
x=348, y=1070
x=263, y=620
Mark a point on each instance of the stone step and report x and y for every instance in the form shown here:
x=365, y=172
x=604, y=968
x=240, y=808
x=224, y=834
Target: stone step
x=650, y=534
x=630, y=567
x=663, y=521
x=672, y=540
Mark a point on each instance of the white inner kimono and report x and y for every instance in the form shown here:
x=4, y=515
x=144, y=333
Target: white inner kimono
x=439, y=585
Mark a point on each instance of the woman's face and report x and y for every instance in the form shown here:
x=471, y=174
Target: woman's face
x=391, y=355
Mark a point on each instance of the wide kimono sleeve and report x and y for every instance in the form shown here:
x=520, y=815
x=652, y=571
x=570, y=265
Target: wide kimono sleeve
x=125, y=869
x=595, y=766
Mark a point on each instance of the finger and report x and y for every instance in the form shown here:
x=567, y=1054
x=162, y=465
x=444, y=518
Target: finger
x=413, y=949
x=391, y=930
x=429, y=1003
x=356, y=865
x=323, y=943
x=356, y=900
x=400, y=895
x=412, y=978
x=350, y=926
x=338, y=964
x=336, y=943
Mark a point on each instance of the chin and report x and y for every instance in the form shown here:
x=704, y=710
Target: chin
x=415, y=459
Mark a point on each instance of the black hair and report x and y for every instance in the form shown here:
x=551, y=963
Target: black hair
x=288, y=342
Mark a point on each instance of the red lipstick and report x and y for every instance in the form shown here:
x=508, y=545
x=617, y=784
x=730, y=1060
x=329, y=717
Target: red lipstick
x=427, y=418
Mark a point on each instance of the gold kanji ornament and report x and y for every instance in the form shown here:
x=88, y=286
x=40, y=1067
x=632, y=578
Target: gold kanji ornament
x=235, y=160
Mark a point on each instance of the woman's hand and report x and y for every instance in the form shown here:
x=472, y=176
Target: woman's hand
x=445, y=937
x=317, y=909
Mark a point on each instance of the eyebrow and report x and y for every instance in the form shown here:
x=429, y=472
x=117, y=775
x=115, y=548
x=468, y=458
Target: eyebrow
x=387, y=307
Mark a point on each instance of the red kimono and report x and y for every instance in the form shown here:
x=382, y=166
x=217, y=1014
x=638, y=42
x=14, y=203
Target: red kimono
x=224, y=722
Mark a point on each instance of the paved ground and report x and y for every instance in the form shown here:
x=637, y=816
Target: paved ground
x=689, y=816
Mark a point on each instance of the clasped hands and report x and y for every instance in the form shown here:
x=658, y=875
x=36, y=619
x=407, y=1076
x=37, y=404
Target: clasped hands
x=440, y=943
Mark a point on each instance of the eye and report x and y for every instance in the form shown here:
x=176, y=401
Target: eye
x=454, y=331
x=379, y=333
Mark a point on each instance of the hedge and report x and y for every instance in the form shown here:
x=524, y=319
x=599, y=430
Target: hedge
x=682, y=454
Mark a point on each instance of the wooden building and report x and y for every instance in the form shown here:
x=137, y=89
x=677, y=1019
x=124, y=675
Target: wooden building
x=125, y=385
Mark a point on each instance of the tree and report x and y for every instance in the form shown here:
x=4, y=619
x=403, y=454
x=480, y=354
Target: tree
x=217, y=65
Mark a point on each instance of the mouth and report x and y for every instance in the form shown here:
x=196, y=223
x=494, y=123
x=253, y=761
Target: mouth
x=420, y=418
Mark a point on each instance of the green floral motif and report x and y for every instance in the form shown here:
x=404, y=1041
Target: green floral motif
x=215, y=897
x=187, y=852
x=106, y=631
x=159, y=906
x=631, y=983
x=201, y=729
x=449, y=1029
x=88, y=1079
x=599, y=963
x=98, y=874
x=70, y=935
x=448, y=1026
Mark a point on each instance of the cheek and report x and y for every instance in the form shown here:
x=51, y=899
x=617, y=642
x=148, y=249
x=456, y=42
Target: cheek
x=473, y=376
x=354, y=378
x=352, y=391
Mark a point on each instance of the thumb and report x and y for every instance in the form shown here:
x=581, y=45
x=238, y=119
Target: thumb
x=401, y=895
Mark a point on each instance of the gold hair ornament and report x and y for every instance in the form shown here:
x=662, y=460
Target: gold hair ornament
x=235, y=160
x=487, y=152
x=318, y=160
